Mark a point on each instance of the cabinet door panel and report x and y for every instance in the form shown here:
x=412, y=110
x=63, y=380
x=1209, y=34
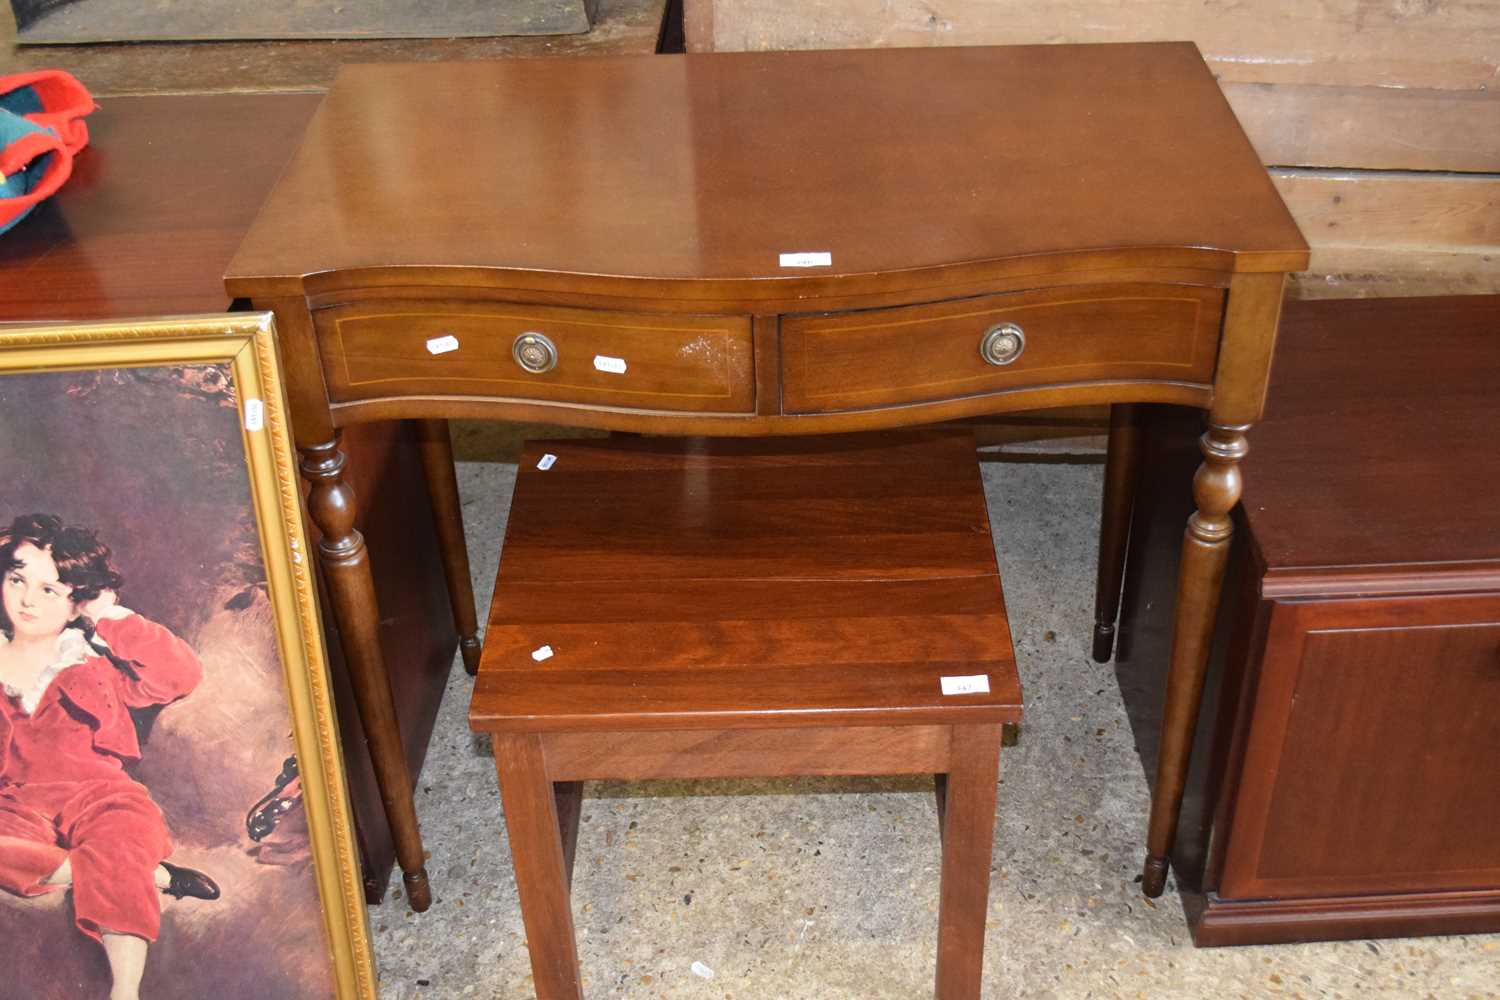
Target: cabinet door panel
x=1373, y=758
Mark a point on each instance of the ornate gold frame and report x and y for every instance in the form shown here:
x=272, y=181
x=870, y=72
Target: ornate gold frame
x=246, y=342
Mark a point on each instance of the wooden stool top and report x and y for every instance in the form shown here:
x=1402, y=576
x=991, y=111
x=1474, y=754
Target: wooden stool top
x=693, y=584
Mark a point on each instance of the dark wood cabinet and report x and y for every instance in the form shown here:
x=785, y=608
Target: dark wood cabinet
x=1347, y=776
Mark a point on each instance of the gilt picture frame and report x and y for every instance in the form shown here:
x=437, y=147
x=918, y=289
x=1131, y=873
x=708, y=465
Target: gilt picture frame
x=166, y=713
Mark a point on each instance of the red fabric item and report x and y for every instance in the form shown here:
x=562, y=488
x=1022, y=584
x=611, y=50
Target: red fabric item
x=64, y=792
x=15, y=157
x=111, y=832
x=64, y=103
x=52, y=744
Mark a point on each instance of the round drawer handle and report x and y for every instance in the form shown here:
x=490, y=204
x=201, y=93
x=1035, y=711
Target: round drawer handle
x=534, y=352
x=1002, y=344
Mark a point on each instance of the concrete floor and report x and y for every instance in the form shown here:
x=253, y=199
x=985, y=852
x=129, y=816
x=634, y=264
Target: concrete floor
x=826, y=889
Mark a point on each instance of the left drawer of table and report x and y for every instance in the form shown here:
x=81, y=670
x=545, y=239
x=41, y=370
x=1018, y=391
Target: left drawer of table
x=648, y=361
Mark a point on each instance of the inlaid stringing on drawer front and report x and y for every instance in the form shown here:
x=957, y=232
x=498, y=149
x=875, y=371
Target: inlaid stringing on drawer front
x=637, y=360
x=932, y=352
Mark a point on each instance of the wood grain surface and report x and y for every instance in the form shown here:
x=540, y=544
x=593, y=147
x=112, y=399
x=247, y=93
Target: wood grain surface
x=696, y=169
x=1396, y=232
x=658, y=362
x=156, y=206
x=1357, y=699
x=704, y=584
x=873, y=357
x=1446, y=44
x=1370, y=128
x=1411, y=423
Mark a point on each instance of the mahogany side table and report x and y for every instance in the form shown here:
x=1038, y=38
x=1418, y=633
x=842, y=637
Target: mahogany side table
x=776, y=243
x=747, y=608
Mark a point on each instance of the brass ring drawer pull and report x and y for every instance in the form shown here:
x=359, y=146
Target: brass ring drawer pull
x=534, y=352
x=1002, y=344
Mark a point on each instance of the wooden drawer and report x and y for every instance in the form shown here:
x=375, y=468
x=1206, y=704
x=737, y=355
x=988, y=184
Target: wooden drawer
x=1371, y=756
x=633, y=360
x=1081, y=333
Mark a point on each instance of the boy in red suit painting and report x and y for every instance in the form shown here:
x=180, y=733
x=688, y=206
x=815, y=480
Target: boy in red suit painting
x=73, y=663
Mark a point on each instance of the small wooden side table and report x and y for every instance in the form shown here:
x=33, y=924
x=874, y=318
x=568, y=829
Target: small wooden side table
x=747, y=608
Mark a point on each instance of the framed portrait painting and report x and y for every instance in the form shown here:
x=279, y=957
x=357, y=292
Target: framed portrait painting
x=174, y=819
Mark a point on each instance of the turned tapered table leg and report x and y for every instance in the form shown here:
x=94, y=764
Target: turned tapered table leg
x=1200, y=578
x=351, y=588
x=442, y=485
x=1122, y=470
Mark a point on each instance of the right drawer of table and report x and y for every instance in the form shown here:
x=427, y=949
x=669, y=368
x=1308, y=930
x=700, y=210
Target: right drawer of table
x=936, y=351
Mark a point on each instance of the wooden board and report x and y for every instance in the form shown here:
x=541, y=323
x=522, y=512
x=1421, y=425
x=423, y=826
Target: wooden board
x=1373, y=128
x=1362, y=272
x=1398, y=233
x=75, y=22
x=1399, y=211
x=1447, y=44
x=742, y=584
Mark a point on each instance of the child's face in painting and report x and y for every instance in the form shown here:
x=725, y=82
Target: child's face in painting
x=36, y=602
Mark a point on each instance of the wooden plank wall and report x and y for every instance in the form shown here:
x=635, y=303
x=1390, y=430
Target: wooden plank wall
x=1378, y=119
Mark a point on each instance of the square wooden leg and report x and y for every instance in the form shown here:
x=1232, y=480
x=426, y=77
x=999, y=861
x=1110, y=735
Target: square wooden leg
x=940, y=789
x=569, y=798
x=541, y=864
x=968, y=833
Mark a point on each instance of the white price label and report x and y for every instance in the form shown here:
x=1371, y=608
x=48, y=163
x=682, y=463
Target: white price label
x=541, y=653
x=255, y=414
x=605, y=363
x=972, y=684
x=443, y=344
x=820, y=259
x=547, y=462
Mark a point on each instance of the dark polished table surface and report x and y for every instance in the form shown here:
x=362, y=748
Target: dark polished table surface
x=155, y=207
x=700, y=170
